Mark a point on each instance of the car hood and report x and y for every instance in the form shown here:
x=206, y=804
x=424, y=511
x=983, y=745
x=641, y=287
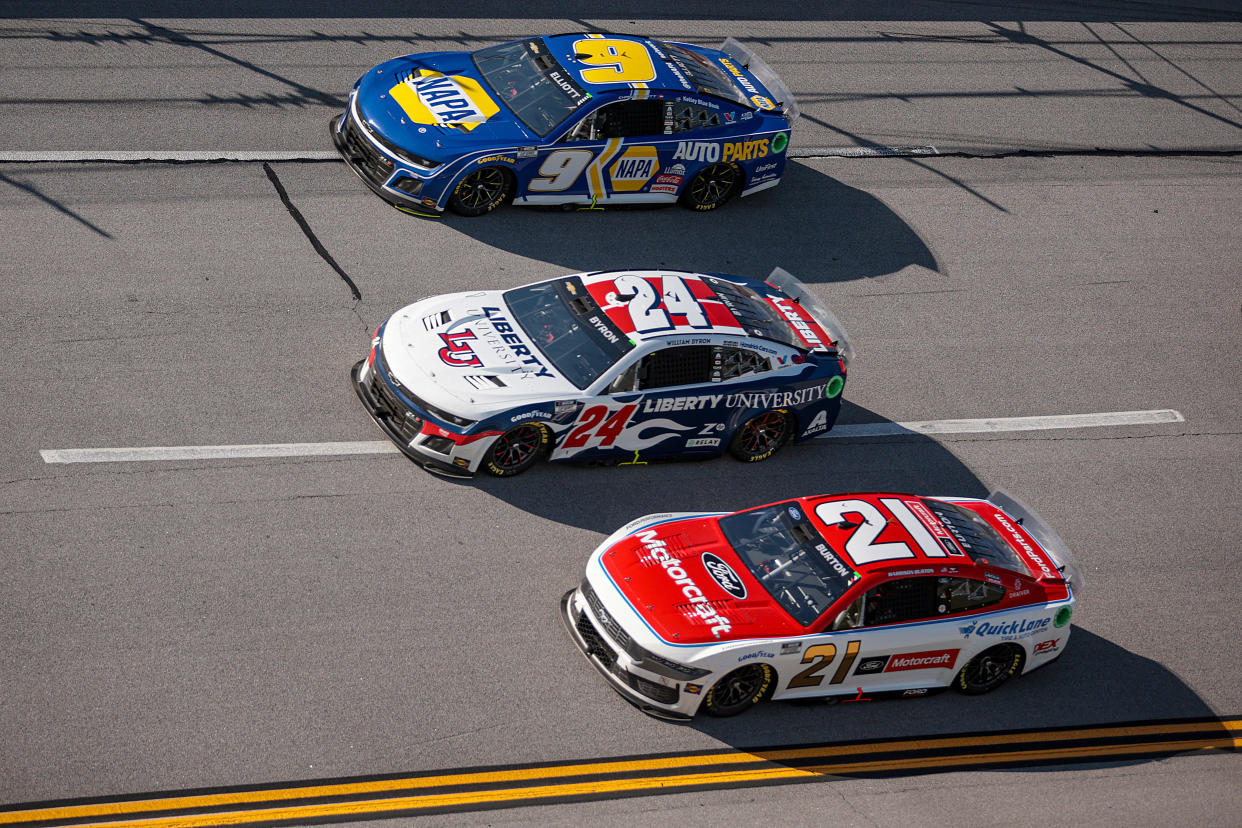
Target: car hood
x=438, y=106
x=464, y=352
x=685, y=582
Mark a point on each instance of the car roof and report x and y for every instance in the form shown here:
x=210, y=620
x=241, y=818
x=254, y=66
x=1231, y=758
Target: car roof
x=562, y=47
x=905, y=516
x=718, y=317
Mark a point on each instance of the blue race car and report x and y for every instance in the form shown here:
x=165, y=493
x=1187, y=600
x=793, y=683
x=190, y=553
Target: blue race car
x=571, y=119
x=605, y=367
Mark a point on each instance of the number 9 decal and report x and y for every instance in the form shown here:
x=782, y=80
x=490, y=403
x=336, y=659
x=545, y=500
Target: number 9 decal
x=560, y=170
x=618, y=61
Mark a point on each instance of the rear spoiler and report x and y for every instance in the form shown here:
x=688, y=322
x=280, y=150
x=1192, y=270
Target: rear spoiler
x=1035, y=526
x=800, y=293
x=772, y=81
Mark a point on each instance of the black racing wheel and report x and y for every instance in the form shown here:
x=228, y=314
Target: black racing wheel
x=761, y=436
x=739, y=690
x=516, y=450
x=711, y=187
x=481, y=192
x=989, y=670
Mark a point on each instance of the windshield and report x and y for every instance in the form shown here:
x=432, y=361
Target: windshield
x=568, y=328
x=531, y=83
x=753, y=312
x=706, y=75
x=976, y=536
x=790, y=558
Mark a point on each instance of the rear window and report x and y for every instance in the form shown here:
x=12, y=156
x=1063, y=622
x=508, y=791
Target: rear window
x=976, y=536
x=706, y=75
x=753, y=312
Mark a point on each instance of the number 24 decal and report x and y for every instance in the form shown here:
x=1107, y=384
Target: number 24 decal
x=650, y=310
x=609, y=428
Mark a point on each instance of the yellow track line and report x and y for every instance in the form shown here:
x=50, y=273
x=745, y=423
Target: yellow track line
x=607, y=767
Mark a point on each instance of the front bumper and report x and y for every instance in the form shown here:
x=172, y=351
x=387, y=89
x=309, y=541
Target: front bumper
x=398, y=423
x=372, y=166
x=603, y=656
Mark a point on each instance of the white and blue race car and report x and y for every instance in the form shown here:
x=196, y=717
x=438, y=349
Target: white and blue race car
x=568, y=119
x=606, y=366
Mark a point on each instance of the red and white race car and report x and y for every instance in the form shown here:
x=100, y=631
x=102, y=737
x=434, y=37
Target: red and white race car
x=852, y=597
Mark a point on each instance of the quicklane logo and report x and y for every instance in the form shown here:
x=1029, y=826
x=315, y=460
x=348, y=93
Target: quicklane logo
x=1010, y=629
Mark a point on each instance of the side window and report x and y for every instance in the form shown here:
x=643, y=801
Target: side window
x=624, y=119
x=914, y=599
x=675, y=366
x=731, y=363
x=684, y=117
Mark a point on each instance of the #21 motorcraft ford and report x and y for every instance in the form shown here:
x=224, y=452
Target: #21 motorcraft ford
x=568, y=119
x=606, y=366
x=850, y=597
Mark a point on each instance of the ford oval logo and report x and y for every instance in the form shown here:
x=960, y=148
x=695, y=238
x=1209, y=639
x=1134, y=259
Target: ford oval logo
x=724, y=575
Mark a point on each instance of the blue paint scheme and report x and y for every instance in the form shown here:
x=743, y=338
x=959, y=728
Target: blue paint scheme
x=504, y=141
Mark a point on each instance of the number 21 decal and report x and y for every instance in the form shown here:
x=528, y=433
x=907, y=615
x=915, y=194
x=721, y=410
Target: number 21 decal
x=861, y=545
x=820, y=657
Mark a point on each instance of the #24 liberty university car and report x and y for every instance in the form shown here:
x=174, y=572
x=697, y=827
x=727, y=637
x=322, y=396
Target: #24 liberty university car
x=605, y=366
x=850, y=597
x=568, y=119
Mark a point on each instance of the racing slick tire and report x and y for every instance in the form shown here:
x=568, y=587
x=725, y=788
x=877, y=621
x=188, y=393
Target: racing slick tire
x=482, y=191
x=739, y=690
x=711, y=187
x=760, y=437
x=516, y=450
x=989, y=670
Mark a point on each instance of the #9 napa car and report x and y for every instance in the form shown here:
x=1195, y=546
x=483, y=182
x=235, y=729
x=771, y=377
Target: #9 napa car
x=568, y=119
x=850, y=597
x=617, y=365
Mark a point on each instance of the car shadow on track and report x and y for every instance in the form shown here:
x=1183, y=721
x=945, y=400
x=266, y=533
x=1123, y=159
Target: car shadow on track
x=604, y=498
x=812, y=225
x=1096, y=682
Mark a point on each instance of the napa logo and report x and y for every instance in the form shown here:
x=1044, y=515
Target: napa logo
x=431, y=97
x=634, y=169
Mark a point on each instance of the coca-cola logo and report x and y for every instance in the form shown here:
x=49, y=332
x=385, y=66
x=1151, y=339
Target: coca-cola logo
x=724, y=575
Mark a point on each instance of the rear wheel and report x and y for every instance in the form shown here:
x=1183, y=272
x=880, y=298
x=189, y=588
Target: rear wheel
x=989, y=670
x=516, y=450
x=481, y=192
x=739, y=690
x=761, y=436
x=711, y=187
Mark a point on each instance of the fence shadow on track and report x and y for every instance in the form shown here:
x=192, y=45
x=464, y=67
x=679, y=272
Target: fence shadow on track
x=603, y=498
x=1095, y=682
x=814, y=226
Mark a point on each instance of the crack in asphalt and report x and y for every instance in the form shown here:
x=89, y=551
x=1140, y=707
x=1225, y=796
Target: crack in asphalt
x=306, y=229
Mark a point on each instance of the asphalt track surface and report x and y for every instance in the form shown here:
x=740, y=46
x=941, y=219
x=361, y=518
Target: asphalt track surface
x=210, y=626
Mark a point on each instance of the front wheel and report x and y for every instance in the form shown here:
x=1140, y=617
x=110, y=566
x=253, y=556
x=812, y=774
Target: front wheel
x=738, y=691
x=481, y=192
x=711, y=187
x=761, y=436
x=516, y=450
x=988, y=670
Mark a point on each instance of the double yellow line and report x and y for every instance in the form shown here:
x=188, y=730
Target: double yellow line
x=466, y=790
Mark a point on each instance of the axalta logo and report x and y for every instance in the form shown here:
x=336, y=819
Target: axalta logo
x=724, y=575
x=703, y=610
x=457, y=350
x=932, y=659
x=804, y=330
x=504, y=331
x=445, y=100
x=1010, y=629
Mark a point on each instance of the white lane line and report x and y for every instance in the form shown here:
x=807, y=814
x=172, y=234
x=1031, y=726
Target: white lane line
x=991, y=424
x=998, y=424
x=135, y=156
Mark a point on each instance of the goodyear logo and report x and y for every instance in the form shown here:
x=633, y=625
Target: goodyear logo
x=431, y=97
x=634, y=169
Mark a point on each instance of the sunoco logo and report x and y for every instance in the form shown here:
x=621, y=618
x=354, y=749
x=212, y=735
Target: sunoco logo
x=724, y=575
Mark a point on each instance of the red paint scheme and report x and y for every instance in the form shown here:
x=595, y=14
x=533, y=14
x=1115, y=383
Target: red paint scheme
x=604, y=291
x=661, y=573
